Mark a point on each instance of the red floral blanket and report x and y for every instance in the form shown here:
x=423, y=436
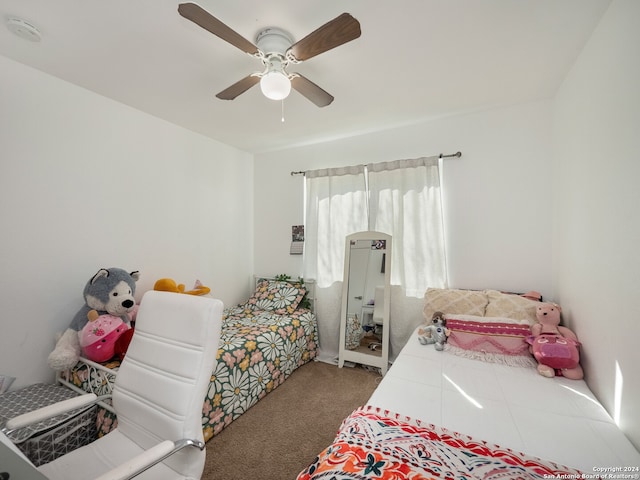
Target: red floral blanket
x=373, y=444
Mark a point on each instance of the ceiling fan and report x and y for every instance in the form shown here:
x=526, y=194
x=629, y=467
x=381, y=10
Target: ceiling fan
x=275, y=48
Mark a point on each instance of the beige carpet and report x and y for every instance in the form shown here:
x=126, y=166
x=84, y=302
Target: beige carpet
x=282, y=434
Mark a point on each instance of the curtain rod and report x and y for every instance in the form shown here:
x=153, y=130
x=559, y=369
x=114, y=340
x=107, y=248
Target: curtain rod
x=457, y=155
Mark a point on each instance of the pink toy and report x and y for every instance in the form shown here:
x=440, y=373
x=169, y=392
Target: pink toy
x=555, y=347
x=98, y=337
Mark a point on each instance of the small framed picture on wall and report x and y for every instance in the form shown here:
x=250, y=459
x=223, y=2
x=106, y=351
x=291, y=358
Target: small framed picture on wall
x=297, y=240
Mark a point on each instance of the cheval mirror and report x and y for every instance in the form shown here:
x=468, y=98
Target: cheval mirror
x=366, y=293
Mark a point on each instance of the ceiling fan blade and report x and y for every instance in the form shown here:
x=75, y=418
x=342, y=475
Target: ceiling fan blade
x=238, y=88
x=338, y=31
x=201, y=17
x=312, y=91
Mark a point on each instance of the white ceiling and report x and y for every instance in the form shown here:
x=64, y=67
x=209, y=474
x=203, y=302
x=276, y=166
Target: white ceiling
x=415, y=60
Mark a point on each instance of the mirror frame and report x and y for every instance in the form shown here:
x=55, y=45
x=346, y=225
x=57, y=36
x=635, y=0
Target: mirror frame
x=380, y=361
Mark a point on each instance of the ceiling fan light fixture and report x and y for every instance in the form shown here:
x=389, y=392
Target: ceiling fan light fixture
x=275, y=85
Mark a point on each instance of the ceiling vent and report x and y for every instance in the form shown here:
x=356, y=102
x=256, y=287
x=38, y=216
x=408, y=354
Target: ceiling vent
x=23, y=29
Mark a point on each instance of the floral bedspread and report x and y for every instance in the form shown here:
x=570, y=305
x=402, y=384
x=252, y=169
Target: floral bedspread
x=258, y=351
x=377, y=445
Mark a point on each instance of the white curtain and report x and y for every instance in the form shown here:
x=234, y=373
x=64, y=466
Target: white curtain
x=405, y=202
x=401, y=198
x=336, y=206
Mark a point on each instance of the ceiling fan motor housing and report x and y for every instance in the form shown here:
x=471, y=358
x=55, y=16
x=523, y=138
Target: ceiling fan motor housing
x=273, y=41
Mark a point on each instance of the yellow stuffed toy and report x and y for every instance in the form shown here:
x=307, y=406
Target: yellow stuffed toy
x=169, y=285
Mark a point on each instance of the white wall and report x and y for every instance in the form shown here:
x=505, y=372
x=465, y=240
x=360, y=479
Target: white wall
x=85, y=183
x=497, y=196
x=597, y=223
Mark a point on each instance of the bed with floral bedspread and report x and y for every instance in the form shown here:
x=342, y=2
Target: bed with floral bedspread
x=379, y=445
x=262, y=342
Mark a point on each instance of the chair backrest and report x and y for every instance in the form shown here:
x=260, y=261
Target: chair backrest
x=161, y=385
x=378, y=305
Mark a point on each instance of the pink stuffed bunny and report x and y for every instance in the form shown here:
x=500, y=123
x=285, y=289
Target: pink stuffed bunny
x=555, y=347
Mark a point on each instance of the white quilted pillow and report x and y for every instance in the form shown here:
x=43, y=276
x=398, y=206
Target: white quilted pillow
x=511, y=306
x=449, y=300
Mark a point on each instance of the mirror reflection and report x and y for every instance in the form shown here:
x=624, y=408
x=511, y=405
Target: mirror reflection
x=365, y=296
x=366, y=293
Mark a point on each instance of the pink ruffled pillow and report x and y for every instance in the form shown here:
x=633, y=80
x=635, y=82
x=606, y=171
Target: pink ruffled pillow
x=490, y=339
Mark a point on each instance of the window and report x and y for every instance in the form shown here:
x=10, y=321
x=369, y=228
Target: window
x=401, y=198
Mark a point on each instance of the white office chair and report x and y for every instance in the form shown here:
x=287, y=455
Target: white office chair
x=158, y=396
x=378, y=305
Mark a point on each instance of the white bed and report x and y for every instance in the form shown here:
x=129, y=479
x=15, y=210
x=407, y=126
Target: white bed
x=555, y=419
x=439, y=414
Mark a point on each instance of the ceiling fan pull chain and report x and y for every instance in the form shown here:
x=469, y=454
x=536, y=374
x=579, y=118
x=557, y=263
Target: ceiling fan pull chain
x=282, y=110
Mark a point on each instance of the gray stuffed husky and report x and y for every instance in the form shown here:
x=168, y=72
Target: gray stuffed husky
x=109, y=291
